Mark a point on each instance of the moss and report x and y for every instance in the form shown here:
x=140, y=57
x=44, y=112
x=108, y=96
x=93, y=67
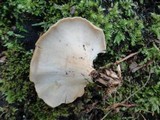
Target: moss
x=129, y=26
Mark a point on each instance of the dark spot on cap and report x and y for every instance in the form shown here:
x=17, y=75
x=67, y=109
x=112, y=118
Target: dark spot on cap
x=84, y=47
x=81, y=58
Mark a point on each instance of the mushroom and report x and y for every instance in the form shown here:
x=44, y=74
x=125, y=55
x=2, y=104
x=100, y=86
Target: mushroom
x=63, y=60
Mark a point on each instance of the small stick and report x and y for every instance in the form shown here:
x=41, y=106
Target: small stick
x=143, y=117
x=127, y=57
x=122, y=103
x=119, y=61
x=149, y=76
x=116, y=105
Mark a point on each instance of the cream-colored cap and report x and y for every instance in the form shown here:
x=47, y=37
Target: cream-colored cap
x=63, y=59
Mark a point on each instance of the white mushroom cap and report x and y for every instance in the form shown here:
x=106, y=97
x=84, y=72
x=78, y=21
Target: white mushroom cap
x=63, y=60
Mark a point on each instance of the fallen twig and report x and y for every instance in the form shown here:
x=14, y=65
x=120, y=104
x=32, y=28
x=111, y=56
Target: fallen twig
x=127, y=57
x=110, y=108
x=105, y=115
x=143, y=117
x=139, y=88
x=119, y=61
x=116, y=105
